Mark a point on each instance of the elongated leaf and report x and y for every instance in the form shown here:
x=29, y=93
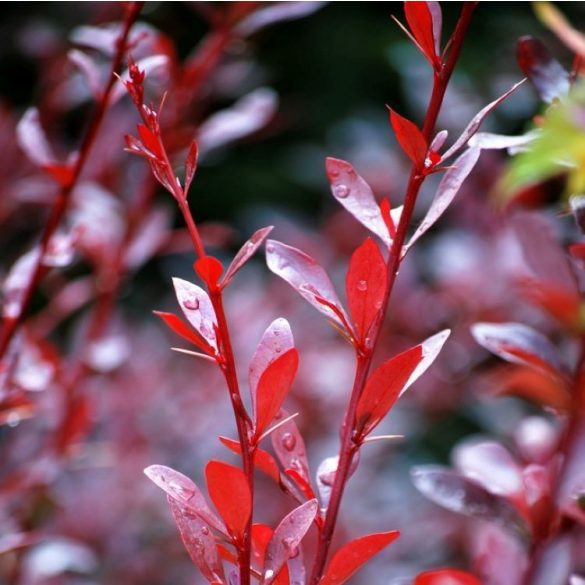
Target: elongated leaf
x=351, y=556
x=446, y=577
x=306, y=276
x=546, y=74
x=276, y=340
x=273, y=386
x=289, y=446
x=420, y=22
x=190, y=166
x=489, y=141
x=263, y=460
x=459, y=494
x=552, y=17
x=477, y=121
x=245, y=253
x=366, y=284
x=410, y=138
x=356, y=196
x=287, y=538
x=437, y=16
x=229, y=491
x=199, y=541
x=519, y=344
x=197, y=307
x=185, y=491
x=446, y=191
x=180, y=328
x=383, y=389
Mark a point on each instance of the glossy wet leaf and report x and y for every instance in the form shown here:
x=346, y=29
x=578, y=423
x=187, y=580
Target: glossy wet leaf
x=352, y=555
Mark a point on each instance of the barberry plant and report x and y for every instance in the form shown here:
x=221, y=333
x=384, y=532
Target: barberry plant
x=229, y=534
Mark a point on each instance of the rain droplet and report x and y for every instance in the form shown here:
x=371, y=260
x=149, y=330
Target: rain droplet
x=204, y=530
x=191, y=304
x=362, y=285
x=341, y=191
x=289, y=441
x=289, y=545
x=270, y=248
x=269, y=574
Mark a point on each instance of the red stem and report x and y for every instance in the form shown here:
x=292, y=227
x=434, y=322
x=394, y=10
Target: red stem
x=348, y=447
x=61, y=203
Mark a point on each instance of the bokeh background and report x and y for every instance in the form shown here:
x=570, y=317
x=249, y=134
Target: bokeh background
x=95, y=518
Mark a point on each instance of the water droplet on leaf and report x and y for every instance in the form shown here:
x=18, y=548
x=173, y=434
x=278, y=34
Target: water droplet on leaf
x=341, y=191
x=289, y=441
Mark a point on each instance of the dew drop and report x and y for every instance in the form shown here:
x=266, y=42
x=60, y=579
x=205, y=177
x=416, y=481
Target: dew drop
x=362, y=285
x=191, y=304
x=289, y=441
x=270, y=248
x=341, y=191
x=269, y=574
x=289, y=545
x=204, y=530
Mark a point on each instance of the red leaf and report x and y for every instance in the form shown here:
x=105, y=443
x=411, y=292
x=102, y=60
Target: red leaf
x=519, y=344
x=149, y=139
x=386, y=211
x=366, y=284
x=287, y=538
x=420, y=22
x=186, y=492
x=546, y=74
x=199, y=541
x=276, y=339
x=392, y=379
x=410, y=138
x=273, y=386
x=190, y=166
x=245, y=253
x=351, y=556
x=356, y=196
x=263, y=460
x=197, y=307
x=306, y=276
x=229, y=490
x=446, y=577
x=180, y=328
x=209, y=270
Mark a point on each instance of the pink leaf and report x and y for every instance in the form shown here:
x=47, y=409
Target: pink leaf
x=269, y=14
x=546, y=74
x=190, y=166
x=519, y=344
x=306, y=276
x=489, y=141
x=229, y=490
x=446, y=191
x=366, y=284
x=89, y=69
x=199, y=541
x=273, y=386
x=437, y=17
x=185, y=492
x=446, y=577
x=355, y=195
x=287, y=538
x=198, y=309
x=245, y=253
x=455, y=492
x=420, y=22
x=352, y=555
x=326, y=473
x=477, y=120
x=410, y=138
x=276, y=339
x=32, y=139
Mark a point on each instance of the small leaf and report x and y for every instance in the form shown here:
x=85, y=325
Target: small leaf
x=190, y=166
x=276, y=339
x=229, y=490
x=446, y=577
x=446, y=191
x=477, y=120
x=185, y=491
x=32, y=139
x=454, y=492
x=437, y=17
x=519, y=344
x=306, y=276
x=180, y=328
x=273, y=386
x=263, y=460
x=410, y=138
x=197, y=307
x=356, y=196
x=546, y=74
x=351, y=556
x=245, y=253
x=199, y=542
x=209, y=270
x=287, y=538
x=366, y=284
x=420, y=22
x=87, y=66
